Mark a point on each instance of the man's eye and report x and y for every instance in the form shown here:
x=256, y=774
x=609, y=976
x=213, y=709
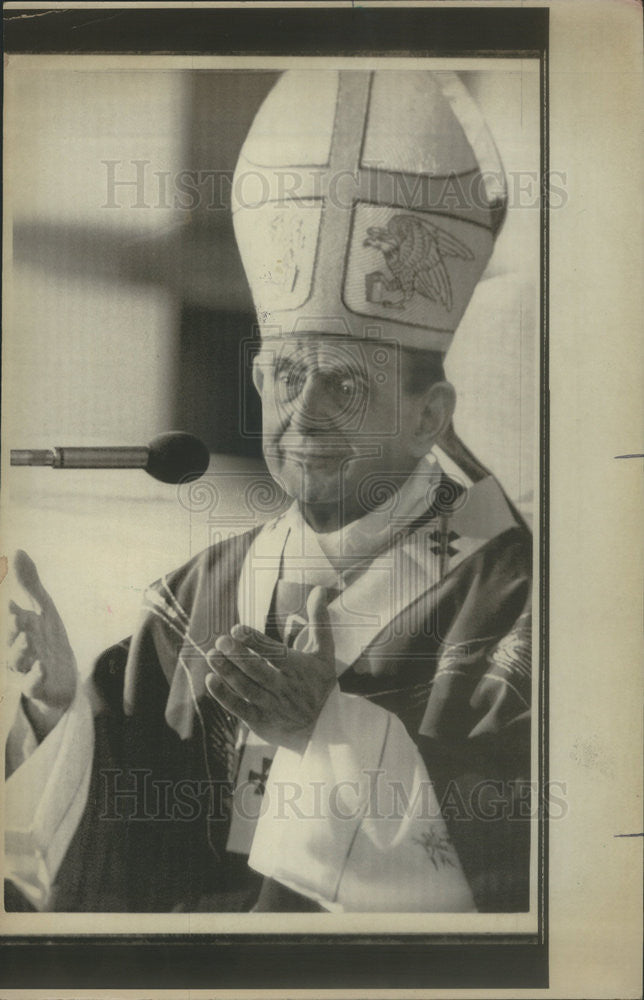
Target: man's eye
x=289, y=381
x=287, y=373
x=347, y=385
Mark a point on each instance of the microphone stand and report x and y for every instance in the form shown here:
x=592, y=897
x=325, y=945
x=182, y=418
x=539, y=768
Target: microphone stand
x=135, y=457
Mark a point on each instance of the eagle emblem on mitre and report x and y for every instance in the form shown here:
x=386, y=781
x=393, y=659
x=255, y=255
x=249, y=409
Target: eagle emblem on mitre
x=413, y=249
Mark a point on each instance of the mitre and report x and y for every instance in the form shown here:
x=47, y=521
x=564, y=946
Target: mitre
x=366, y=204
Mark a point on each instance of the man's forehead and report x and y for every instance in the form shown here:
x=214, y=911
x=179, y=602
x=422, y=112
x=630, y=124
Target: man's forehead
x=325, y=348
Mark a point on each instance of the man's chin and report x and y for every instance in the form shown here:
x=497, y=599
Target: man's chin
x=310, y=482
x=313, y=494
x=310, y=489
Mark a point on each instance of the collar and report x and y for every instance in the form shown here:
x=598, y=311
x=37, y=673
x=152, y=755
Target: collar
x=417, y=560
x=361, y=539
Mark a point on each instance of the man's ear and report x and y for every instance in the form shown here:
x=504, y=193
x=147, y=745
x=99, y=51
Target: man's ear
x=434, y=412
x=258, y=374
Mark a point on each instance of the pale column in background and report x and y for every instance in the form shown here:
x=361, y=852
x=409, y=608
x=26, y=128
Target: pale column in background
x=494, y=360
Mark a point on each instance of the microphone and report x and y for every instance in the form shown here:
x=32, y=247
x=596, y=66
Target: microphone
x=173, y=457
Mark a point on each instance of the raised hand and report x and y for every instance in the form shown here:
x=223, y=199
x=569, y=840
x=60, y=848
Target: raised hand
x=279, y=692
x=39, y=651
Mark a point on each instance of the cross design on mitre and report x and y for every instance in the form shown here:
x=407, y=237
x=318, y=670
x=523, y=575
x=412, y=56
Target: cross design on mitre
x=353, y=193
x=346, y=178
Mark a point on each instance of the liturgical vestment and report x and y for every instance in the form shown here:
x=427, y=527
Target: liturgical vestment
x=413, y=793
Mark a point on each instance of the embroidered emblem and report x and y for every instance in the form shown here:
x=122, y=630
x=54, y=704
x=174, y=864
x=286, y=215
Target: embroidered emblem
x=464, y=658
x=438, y=849
x=259, y=780
x=289, y=239
x=512, y=652
x=413, y=249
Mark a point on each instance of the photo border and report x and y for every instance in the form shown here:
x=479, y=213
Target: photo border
x=307, y=960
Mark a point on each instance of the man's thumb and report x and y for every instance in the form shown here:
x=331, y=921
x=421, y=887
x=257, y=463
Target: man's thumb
x=321, y=636
x=34, y=682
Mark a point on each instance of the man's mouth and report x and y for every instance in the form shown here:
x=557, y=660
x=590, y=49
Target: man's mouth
x=315, y=452
x=310, y=454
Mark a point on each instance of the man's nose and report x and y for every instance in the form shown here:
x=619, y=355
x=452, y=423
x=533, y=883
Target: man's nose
x=313, y=407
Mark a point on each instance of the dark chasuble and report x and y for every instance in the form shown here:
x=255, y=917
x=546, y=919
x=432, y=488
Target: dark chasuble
x=433, y=653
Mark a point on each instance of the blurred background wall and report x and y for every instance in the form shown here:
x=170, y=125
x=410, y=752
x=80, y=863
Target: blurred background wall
x=128, y=298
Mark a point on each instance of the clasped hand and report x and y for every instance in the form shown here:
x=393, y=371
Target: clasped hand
x=278, y=692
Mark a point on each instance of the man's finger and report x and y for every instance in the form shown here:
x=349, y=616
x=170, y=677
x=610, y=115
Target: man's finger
x=33, y=685
x=254, y=664
x=232, y=702
x=320, y=635
x=21, y=656
x=261, y=643
x=27, y=576
x=23, y=621
x=238, y=674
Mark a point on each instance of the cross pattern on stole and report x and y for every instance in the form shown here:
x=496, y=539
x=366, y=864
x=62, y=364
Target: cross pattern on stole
x=444, y=540
x=345, y=181
x=444, y=548
x=259, y=779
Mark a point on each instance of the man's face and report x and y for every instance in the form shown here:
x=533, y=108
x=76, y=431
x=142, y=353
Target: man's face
x=338, y=426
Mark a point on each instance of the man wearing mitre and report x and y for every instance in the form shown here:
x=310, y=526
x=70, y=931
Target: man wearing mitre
x=329, y=712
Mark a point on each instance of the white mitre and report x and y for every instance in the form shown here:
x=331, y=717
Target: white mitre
x=366, y=204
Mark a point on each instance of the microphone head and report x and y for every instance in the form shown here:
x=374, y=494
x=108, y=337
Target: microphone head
x=176, y=457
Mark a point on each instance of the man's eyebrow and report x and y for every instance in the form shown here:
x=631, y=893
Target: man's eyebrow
x=306, y=355
x=284, y=361
x=266, y=358
x=276, y=361
x=334, y=366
